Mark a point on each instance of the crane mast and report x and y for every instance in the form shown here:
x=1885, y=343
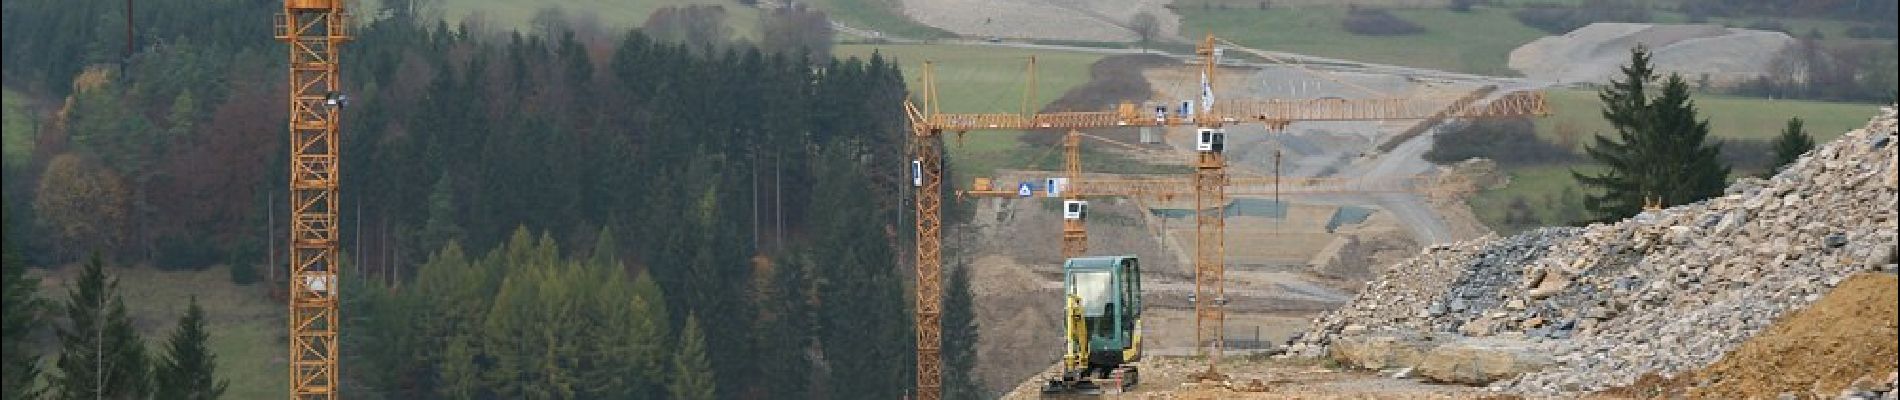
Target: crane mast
x=1210, y=206
x=927, y=147
x=314, y=29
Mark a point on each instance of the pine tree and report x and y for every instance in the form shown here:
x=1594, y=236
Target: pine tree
x=1660, y=151
x=20, y=312
x=1789, y=147
x=649, y=328
x=692, y=373
x=629, y=350
x=865, y=328
x=188, y=371
x=101, y=355
x=440, y=228
x=960, y=337
x=457, y=376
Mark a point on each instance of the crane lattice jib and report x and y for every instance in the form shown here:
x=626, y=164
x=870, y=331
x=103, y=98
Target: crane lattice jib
x=1522, y=103
x=313, y=29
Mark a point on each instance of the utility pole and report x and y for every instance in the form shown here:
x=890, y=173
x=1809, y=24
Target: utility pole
x=126, y=58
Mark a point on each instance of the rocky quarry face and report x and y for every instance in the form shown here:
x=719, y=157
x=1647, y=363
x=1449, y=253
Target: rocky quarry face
x=1568, y=310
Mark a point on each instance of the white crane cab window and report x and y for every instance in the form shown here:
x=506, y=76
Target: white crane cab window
x=916, y=173
x=1210, y=139
x=1094, y=287
x=1075, y=209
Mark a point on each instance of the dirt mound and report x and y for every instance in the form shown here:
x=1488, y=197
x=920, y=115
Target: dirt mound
x=1850, y=334
x=1015, y=317
x=1594, y=53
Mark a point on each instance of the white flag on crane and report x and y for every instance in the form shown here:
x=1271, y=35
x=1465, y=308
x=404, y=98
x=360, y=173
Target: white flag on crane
x=1207, y=94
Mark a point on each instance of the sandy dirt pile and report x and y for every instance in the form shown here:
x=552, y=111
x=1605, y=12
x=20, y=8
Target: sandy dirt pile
x=1594, y=53
x=1848, y=336
x=1844, y=345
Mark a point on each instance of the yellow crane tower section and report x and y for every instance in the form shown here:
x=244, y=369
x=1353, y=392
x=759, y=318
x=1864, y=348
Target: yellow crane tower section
x=314, y=29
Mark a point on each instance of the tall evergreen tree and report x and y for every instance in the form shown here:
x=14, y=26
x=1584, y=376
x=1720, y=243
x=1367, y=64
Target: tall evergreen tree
x=692, y=373
x=20, y=318
x=1789, y=147
x=960, y=337
x=646, y=330
x=101, y=355
x=1660, y=151
x=865, y=328
x=188, y=371
x=440, y=228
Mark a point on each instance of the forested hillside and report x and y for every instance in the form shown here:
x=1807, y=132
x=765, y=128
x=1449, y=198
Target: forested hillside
x=524, y=216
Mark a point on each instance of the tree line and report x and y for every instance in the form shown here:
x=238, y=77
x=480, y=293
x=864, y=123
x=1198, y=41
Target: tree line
x=747, y=202
x=101, y=355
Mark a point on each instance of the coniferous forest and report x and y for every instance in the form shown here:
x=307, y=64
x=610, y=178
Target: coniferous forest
x=567, y=213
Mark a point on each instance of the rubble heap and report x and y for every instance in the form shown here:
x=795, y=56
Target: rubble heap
x=1663, y=292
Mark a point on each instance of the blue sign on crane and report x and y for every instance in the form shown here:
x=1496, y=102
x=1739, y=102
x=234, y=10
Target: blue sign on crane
x=1025, y=190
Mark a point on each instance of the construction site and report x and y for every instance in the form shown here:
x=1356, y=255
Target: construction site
x=1186, y=216
x=1331, y=262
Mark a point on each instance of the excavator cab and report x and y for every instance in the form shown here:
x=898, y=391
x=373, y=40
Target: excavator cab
x=1103, y=325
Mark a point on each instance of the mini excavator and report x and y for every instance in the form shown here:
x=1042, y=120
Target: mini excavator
x=1102, y=326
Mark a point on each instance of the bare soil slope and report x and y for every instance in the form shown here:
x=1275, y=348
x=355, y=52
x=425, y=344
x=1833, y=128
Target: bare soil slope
x=1848, y=335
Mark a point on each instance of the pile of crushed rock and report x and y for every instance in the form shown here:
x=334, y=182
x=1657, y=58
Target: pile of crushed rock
x=1572, y=310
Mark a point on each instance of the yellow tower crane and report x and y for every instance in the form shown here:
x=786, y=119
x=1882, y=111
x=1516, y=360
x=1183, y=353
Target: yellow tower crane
x=1075, y=188
x=1209, y=181
x=314, y=29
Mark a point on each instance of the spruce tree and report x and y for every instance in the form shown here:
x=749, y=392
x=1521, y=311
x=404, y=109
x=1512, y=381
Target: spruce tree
x=1789, y=147
x=864, y=324
x=960, y=337
x=1660, y=151
x=649, y=327
x=440, y=227
x=20, y=308
x=101, y=355
x=189, y=370
x=692, y=373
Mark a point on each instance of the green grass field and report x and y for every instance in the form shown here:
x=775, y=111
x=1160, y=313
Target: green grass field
x=1476, y=42
x=18, y=129
x=986, y=79
x=1730, y=117
x=615, y=15
x=1541, y=187
x=247, y=327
